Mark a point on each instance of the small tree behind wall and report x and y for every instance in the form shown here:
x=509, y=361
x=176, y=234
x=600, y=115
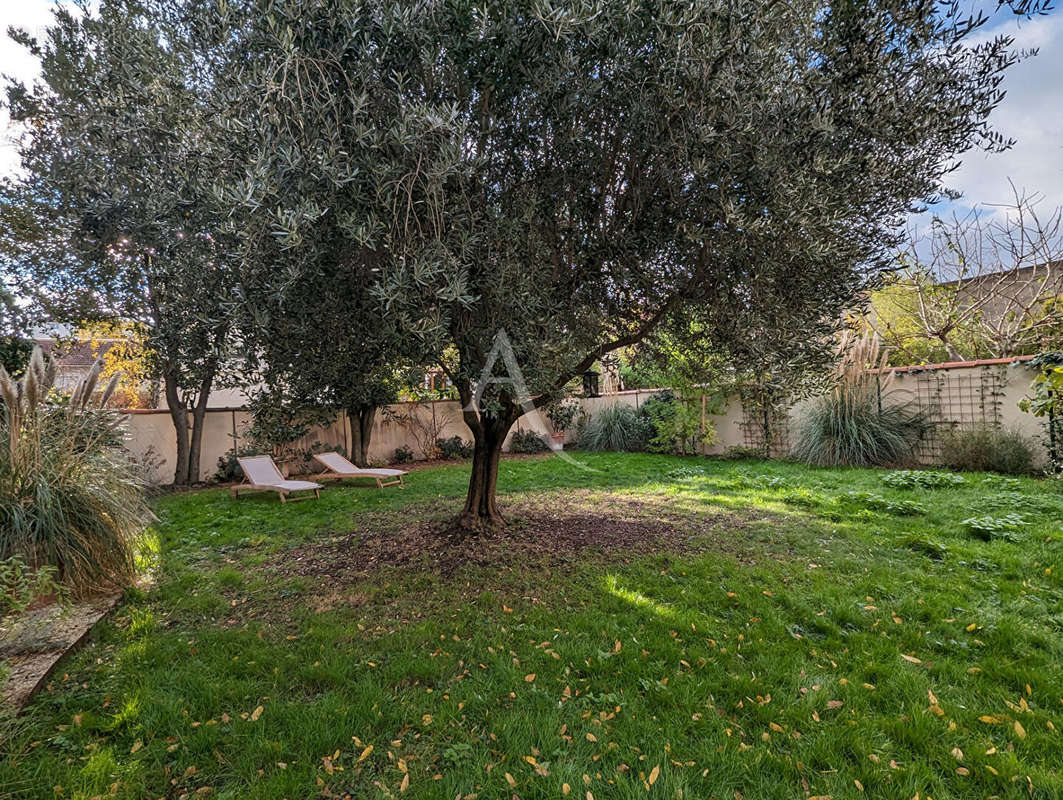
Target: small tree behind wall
x=986, y=285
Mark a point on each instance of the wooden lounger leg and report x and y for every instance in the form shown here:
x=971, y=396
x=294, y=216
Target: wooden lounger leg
x=283, y=498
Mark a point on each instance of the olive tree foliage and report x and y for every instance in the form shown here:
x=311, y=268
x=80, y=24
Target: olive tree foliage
x=575, y=173
x=322, y=347
x=330, y=172
x=114, y=198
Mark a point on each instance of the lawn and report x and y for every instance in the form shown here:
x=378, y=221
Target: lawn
x=654, y=626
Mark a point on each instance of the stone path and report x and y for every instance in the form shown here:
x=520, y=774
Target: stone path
x=32, y=643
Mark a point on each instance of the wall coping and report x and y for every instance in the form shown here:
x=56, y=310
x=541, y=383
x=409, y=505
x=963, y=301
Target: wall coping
x=981, y=362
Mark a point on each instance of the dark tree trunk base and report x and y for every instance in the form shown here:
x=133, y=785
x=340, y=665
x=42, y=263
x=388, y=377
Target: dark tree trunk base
x=481, y=512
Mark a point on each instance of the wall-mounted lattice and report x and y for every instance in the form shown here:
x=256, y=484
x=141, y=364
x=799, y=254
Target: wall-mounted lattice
x=968, y=398
x=766, y=430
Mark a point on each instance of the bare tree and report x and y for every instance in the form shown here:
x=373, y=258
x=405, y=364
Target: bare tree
x=984, y=285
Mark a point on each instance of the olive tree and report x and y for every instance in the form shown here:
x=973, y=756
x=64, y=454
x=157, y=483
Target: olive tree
x=541, y=184
x=323, y=346
x=114, y=198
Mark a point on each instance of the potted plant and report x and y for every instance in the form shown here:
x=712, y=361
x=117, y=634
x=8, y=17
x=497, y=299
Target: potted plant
x=561, y=416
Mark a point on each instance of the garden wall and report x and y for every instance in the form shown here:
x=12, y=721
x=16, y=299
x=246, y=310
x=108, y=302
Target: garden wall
x=968, y=394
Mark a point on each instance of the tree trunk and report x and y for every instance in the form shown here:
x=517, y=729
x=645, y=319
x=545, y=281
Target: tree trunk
x=179, y=415
x=361, y=419
x=481, y=510
x=199, y=414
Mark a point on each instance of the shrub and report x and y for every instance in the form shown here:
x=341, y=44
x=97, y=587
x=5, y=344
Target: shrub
x=403, y=455
x=70, y=497
x=527, y=442
x=229, y=468
x=617, y=427
x=855, y=425
x=742, y=453
x=562, y=415
x=454, y=447
x=676, y=425
x=987, y=450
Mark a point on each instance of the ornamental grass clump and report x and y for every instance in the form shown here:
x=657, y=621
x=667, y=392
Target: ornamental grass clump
x=618, y=428
x=856, y=425
x=71, y=500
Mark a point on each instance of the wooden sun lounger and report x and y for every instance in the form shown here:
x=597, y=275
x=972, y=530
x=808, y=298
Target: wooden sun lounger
x=339, y=467
x=261, y=474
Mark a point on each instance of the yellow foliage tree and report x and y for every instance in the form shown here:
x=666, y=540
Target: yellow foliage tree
x=123, y=349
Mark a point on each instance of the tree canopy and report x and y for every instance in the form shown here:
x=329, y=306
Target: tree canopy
x=577, y=173
x=573, y=175
x=116, y=223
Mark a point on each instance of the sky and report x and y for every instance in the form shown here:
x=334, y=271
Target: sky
x=1032, y=112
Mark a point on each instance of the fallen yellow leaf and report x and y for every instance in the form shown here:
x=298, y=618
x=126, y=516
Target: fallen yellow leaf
x=654, y=774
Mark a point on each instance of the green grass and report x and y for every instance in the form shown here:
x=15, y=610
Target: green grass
x=831, y=636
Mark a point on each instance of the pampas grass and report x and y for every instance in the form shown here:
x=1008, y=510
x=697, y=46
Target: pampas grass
x=856, y=425
x=70, y=497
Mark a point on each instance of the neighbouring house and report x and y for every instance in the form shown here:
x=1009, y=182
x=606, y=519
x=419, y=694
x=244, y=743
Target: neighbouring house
x=74, y=359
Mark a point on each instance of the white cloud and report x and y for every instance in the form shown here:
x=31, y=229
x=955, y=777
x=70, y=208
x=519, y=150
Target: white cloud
x=1031, y=114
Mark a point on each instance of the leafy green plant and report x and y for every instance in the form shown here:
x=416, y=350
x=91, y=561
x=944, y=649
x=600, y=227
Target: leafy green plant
x=229, y=468
x=1040, y=503
x=20, y=585
x=921, y=479
x=921, y=544
x=676, y=425
x=876, y=502
x=989, y=527
x=527, y=442
x=70, y=497
x=454, y=447
x=403, y=455
x=562, y=414
x=854, y=424
x=804, y=498
x=987, y=450
x=1046, y=402
x=619, y=428
x=685, y=473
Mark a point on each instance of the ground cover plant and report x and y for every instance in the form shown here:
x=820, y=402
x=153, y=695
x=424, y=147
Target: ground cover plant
x=652, y=627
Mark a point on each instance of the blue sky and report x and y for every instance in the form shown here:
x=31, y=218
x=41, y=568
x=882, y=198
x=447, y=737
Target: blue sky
x=1032, y=113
